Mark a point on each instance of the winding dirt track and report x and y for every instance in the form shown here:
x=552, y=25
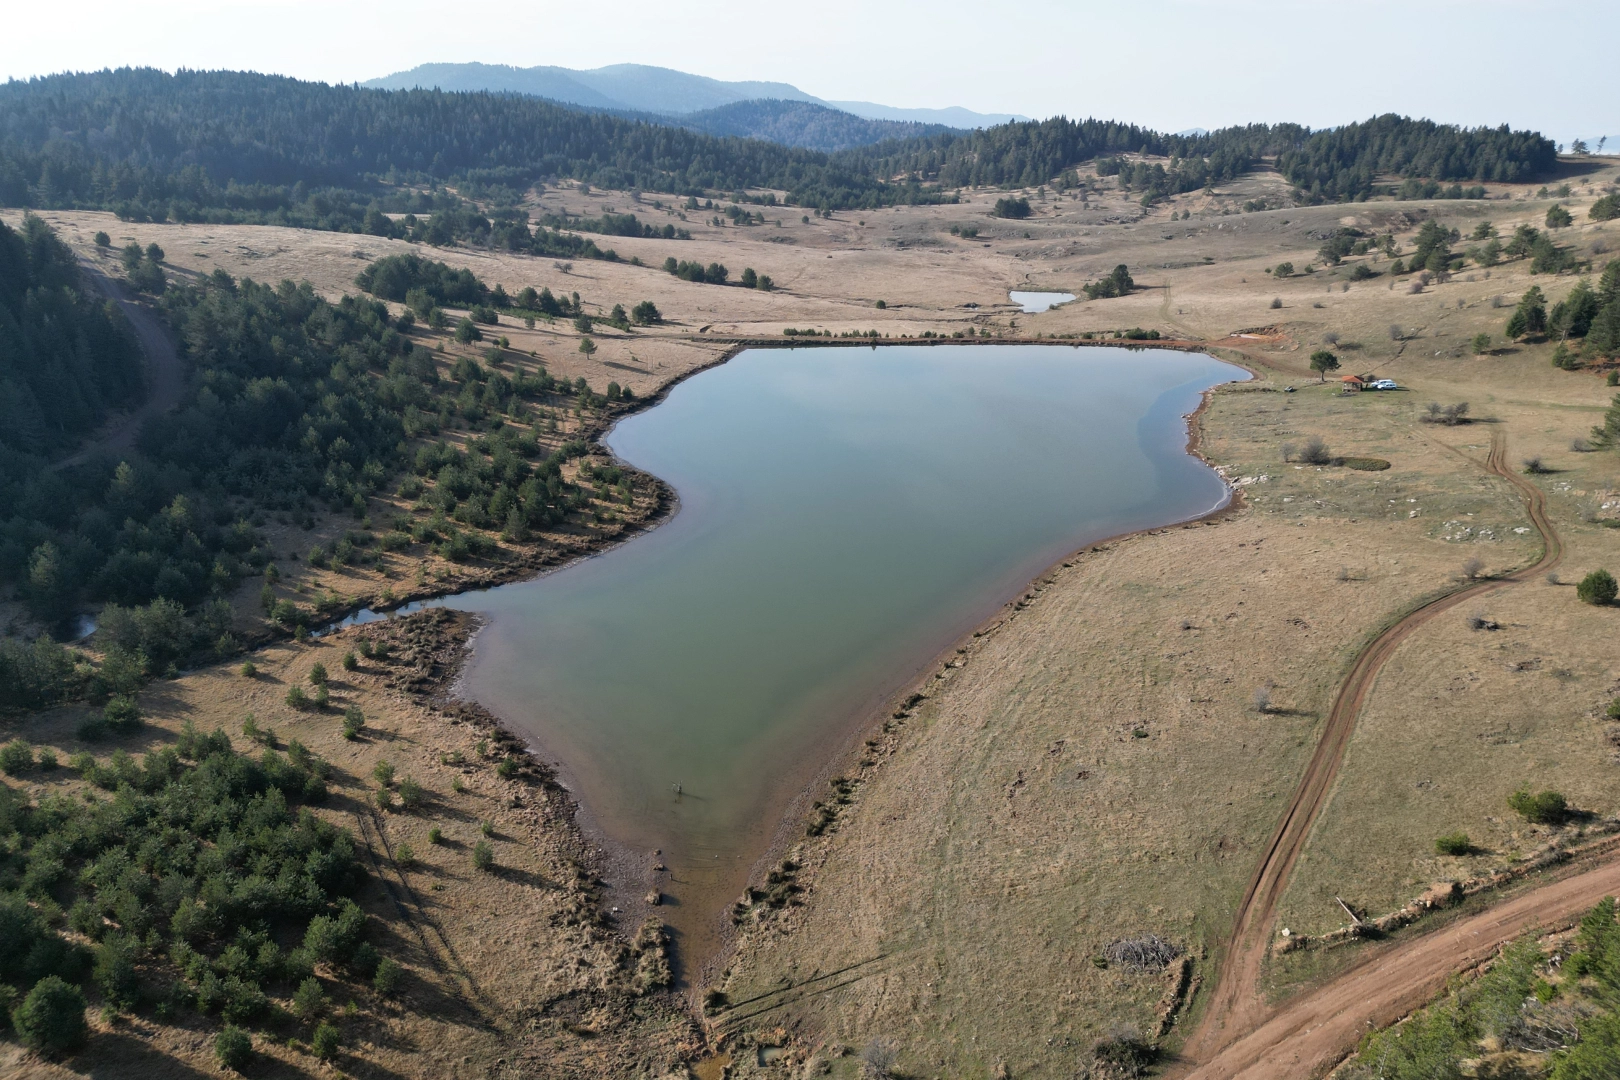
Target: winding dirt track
x=165, y=374
x=1240, y=1034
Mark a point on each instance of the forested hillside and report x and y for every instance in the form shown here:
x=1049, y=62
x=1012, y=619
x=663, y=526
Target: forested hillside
x=234, y=146
x=66, y=355
x=240, y=146
x=1337, y=164
x=295, y=403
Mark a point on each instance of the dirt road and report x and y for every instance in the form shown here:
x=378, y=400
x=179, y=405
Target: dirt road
x=1313, y=1032
x=1237, y=1011
x=165, y=373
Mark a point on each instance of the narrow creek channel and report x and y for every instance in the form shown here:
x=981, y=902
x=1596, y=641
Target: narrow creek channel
x=845, y=515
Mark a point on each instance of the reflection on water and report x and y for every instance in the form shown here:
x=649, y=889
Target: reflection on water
x=1034, y=303
x=845, y=514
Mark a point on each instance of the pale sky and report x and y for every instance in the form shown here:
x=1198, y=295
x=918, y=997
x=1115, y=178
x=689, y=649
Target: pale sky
x=1169, y=64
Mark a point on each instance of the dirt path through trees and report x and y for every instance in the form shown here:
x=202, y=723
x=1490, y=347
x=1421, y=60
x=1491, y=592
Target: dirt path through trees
x=1237, y=1010
x=165, y=373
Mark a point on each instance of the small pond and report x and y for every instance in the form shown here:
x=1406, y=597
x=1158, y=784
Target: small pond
x=845, y=515
x=1033, y=303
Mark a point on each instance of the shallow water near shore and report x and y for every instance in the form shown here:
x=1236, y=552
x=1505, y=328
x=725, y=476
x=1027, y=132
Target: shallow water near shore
x=845, y=515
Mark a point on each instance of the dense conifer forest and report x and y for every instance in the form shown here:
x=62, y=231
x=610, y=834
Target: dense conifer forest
x=66, y=358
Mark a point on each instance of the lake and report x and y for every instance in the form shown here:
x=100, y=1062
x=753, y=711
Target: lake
x=1033, y=303
x=845, y=515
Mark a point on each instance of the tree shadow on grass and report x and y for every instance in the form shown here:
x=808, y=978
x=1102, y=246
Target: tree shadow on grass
x=116, y=1053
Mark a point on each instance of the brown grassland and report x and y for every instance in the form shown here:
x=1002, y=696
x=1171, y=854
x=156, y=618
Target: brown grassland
x=1091, y=765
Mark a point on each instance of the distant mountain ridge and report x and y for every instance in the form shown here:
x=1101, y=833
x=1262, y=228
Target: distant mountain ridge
x=648, y=89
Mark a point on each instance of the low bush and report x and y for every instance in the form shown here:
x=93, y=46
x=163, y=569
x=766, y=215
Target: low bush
x=233, y=1048
x=122, y=716
x=389, y=977
x=16, y=757
x=1546, y=808
x=1598, y=587
x=1456, y=843
x=326, y=1042
x=51, y=1016
x=1315, y=452
x=483, y=855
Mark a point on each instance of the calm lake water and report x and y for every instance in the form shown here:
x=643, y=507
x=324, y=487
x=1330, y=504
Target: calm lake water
x=1034, y=303
x=845, y=514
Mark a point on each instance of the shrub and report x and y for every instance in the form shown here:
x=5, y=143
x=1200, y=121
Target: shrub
x=436, y=835
x=353, y=721
x=309, y=1000
x=47, y=758
x=51, y=1017
x=16, y=757
x=483, y=855
x=507, y=768
x=1613, y=711
x=1315, y=452
x=405, y=855
x=1276, y=302
x=1598, y=587
x=1011, y=208
x=115, y=974
x=1456, y=843
x=350, y=663
x=317, y=674
x=389, y=977
x=325, y=1042
x=122, y=717
x=1547, y=808
x=1124, y=1053
x=248, y=669
x=233, y=1047
x=296, y=698
x=383, y=773
x=1481, y=344
x=486, y=827
x=411, y=793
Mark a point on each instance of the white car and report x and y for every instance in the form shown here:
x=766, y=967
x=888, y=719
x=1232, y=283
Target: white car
x=1383, y=384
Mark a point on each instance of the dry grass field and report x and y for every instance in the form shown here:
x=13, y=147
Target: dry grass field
x=1092, y=765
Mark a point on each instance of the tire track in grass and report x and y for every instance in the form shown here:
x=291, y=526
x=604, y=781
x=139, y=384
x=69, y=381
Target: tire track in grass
x=1237, y=1008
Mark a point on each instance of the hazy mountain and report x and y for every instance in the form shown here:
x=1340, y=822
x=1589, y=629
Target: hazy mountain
x=642, y=88
x=955, y=116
